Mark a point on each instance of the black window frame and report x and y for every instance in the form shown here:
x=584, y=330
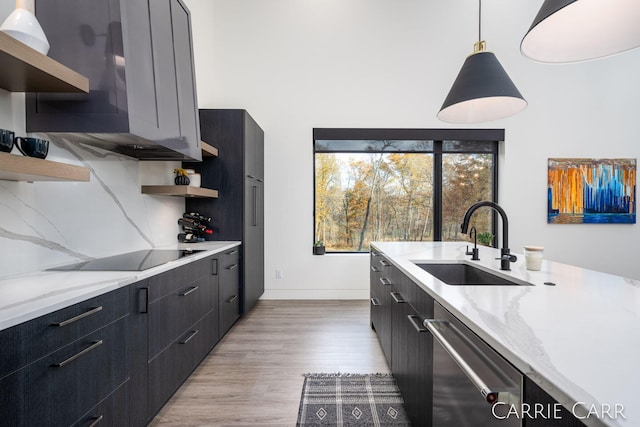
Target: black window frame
x=440, y=139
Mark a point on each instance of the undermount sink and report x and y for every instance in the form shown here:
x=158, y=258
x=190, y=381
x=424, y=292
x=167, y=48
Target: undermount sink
x=464, y=275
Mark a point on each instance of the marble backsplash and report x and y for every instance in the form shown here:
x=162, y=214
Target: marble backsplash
x=46, y=224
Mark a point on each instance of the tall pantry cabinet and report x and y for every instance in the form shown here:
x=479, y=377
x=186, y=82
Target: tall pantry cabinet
x=238, y=174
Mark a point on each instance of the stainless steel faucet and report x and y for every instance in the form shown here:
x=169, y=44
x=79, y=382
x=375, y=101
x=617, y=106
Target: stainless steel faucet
x=505, y=254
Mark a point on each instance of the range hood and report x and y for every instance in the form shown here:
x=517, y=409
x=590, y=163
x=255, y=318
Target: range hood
x=138, y=57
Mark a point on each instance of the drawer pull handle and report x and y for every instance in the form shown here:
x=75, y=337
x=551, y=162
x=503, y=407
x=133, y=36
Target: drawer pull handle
x=375, y=269
x=233, y=298
x=384, y=263
x=96, y=421
x=385, y=281
x=191, y=335
x=489, y=395
x=233, y=252
x=65, y=362
x=374, y=302
x=191, y=290
x=417, y=323
x=232, y=267
x=78, y=317
x=143, y=300
x=398, y=298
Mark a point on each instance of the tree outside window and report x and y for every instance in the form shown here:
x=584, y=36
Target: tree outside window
x=399, y=190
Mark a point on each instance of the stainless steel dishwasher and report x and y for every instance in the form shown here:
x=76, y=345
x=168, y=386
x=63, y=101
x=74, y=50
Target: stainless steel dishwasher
x=472, y=384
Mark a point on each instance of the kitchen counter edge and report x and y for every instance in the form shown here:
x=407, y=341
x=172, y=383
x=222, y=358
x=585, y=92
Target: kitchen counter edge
x=27, y=296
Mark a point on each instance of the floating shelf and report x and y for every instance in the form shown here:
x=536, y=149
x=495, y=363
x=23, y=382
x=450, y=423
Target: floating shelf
x=208, y=150
x=179, y=191
x=20, y=168
x=27, y=70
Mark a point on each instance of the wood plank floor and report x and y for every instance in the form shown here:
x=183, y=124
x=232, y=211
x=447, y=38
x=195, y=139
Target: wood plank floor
x=253, y=377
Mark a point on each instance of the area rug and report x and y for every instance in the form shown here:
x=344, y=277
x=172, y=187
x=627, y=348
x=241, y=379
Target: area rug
x=351, y=400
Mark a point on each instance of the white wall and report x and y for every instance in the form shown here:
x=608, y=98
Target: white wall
x=296, y=65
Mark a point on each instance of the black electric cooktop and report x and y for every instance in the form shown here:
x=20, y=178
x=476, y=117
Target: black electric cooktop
x=132, y=261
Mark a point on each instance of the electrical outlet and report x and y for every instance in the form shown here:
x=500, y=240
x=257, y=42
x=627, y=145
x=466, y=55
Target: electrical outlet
x=278, y=273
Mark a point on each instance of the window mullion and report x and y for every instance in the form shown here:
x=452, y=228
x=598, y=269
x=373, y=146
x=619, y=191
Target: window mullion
x=437, y=191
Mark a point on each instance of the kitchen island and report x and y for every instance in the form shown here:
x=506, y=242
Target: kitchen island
x=578, y=339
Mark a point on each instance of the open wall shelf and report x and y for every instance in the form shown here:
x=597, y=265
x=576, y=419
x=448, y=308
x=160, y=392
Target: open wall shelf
x=208, y=150
x=20, y=168
x=179, y=191
x=27, y=70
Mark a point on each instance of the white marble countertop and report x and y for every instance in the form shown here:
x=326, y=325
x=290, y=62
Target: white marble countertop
x=27, y=296
x=578, y=340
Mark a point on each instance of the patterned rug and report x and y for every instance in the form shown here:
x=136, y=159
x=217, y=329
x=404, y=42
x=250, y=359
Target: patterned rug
x=351, y=400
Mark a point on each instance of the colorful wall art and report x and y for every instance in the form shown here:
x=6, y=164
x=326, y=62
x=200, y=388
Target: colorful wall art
x=591, y=191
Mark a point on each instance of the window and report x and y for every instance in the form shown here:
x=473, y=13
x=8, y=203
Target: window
x=401, y=184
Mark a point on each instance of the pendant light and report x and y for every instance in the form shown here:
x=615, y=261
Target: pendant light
x=482, y=91
x=23, y=25
x=579, y=30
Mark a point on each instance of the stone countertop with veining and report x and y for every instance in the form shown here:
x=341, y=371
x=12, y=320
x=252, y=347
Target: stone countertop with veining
x=578, y=340
x=27, y=296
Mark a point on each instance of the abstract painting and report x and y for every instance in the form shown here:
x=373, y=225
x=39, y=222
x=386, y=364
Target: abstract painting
x=591, y=191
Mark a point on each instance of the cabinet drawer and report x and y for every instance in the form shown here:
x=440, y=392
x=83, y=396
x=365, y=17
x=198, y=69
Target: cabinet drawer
x=59, y=388
x=229, y=306
x=111, y=412
x=177, y=278
x=171, y=367
x=29, y=341
x=231, y=257
x=171, y=315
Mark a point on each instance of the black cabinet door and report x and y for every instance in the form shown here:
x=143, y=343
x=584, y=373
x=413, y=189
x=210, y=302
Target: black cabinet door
x=253, y=243
x=170, y=368
x=139, y=353
x=174, y=325
x=113, y=411
x=399, y=331
x=30, y=341
x=383, y=290
x=171, y=315
x=229, y=297
x=254, y=141
x=374, y=298
x=61, y=387
x=418, y=397
x=237, y=173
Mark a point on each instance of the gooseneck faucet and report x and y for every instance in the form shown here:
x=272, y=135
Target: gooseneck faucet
x=505, y=254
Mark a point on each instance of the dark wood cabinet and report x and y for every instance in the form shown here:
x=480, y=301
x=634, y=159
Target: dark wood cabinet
x=229, y=296
x=237, y=173
x=174, y=325
x=398, y=308
x=375, y=309
x=381, y=288
x=116, y=359
x=63, y=365
x=560, y=416
x=138, y=56
x=417, y=389
x=400, y=334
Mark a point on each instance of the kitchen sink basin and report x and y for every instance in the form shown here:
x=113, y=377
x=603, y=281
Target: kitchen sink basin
x=464, y=275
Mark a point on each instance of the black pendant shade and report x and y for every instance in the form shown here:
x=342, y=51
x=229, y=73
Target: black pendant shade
x=579, y=30
x=482, y=92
